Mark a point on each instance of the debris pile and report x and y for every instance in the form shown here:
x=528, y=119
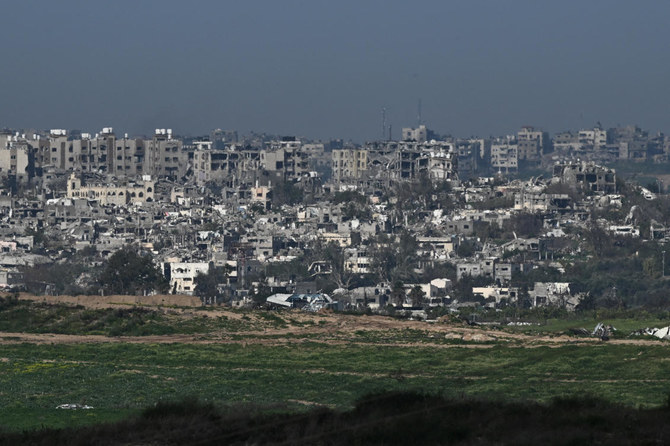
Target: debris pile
x=74, y=407
x=660, y=333
x=603, y=331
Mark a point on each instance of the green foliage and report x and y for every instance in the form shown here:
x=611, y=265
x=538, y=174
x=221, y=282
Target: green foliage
x=31, y=317
x=523, y=225
x=438, y=270
x=133, y=376
x=286, y=192
x=206, y=285
x=60, y=277
x=494, y=203
x=129, y=271
x=539, y=274
x=484, y=230
x=392, y=417
x=466, y=248
x=354, y=210
x=417, y=296
x=394, y=260
x=349, y=197
x=294, y=270
x=39, y=238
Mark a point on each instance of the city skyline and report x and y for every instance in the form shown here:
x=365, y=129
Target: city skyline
x=327, y=70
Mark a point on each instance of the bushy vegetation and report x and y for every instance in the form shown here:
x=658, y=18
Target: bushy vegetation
x=34, y=317
x=129, y=271
x=385, y=418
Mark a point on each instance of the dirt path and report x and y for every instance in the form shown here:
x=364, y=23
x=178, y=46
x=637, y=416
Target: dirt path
x=327, y=328
x=118, y=301
x=470, y=338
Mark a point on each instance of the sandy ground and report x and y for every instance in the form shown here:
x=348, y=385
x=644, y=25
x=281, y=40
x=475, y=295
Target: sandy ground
x=327, y=328
x=117, y=301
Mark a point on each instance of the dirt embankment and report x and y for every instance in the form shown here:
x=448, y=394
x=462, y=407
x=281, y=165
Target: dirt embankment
x=298, y=326
x=168, y=300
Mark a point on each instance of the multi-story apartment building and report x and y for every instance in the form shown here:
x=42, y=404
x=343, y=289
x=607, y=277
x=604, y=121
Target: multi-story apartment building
x=504, y=155
x=17, y=157
x=532, y=144
x=419, y=134
x=595, y=139
x=285, y=157
x=165, y=156
x=397, y=160
x=349, y=164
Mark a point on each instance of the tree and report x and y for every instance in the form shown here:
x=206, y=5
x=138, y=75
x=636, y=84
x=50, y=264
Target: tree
x=286, y=192
x=383, y=257
x=524, y=225
x=598, y=240
x=129, y=271
x=398, y=294
x=417, y=296
x=392, y=260
x=207, y=285
x=60, y=278
x=260, y=293
x=340, y=274
x=39, y=238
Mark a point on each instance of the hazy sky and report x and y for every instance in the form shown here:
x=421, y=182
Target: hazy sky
x=325, y=69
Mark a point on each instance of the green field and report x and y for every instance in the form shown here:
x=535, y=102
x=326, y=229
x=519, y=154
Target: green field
x=119, y=379
x=294, y=361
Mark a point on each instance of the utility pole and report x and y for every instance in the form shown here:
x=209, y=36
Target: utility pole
x=663, y=266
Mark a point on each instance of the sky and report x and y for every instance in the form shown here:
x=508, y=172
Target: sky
x=326, y=69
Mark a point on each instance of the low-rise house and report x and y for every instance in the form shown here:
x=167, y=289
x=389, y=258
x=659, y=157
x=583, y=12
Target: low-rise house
x=182, y=276
x=534, y=202
x=437, y=247
x=495, y=295
x=11, y=279
x=373, y=297
x=553, y=293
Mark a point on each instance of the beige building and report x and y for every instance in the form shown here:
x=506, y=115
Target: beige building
x=531, y=143
x=349, y=164
x=504, y=156
x=595, y=138
x=141, y=192
x=16, y=157
x=419, y=134
x=286, y=157
x=164, y=156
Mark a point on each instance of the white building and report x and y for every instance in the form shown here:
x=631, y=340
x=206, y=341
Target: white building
x=182, y=276
x=504, y=156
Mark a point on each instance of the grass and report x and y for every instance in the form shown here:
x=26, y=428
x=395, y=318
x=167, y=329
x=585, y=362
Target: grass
x=118, y=378
x=25, y=418
x=34, y=317
x=382, y=418
x=295, y=370
x=625, y=326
